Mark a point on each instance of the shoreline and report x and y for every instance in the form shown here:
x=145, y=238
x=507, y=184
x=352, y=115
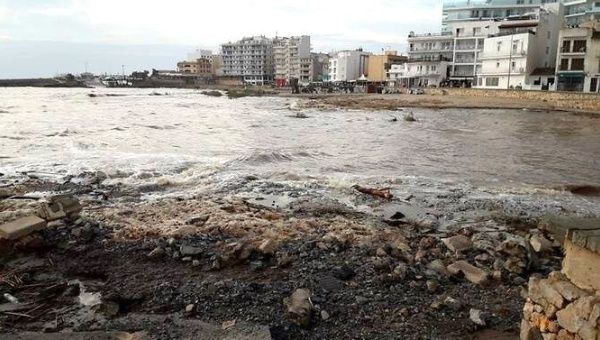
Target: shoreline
x=205, y=261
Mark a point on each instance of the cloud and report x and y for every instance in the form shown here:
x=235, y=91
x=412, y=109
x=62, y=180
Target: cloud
x=210, y=23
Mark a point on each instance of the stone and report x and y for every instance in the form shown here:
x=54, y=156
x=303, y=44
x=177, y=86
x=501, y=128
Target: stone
x=544, y=294
x=268, y=247
x=438, y=267
x=528, y=332
x=186, y=259
x=189, y=309
x=381, y=252
x=157, y=252
x=51, y=212
x=589, y=331
x=452, y=303
x=69, y=204
x=186, y=250
x=540, y=244
x=549, y=336
x=471, y=273
x=324, y=315
x=400, y=270
x=564, y=335
x=573, y=317
x=299, y=307
x=109, y=308
x=432, y=285
x=515, y=265
x=21, y=227
x=568, y=290
x=582, y=266
x=476, y=316
x=199, y=220
x=458, y=243
x=195, y=263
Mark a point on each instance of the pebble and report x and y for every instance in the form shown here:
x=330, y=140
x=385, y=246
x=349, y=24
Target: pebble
x=475, y=316
x=324, y=315
x=189, y=309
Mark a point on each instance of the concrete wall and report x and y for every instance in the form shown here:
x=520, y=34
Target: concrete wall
x=570, y=101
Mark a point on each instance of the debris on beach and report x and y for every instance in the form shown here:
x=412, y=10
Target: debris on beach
x=382, y=193
x=410, y=117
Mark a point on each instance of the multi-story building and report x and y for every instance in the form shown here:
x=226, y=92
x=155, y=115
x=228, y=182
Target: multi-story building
x=348, y=65
x=456, y=12
x=523, y=53
x=201, y=66
x=578, y=59
x=292, y=59
x=250, y=58
x=419, y=73
x=379, y=65
x=581, y=11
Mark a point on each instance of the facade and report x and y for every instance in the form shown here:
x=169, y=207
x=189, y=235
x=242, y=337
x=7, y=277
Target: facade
x=379, y=65
x=292, y=59
x=348, y=65
x=419, y=73
x=578, y=12
x=250, y=58
x=578, y=59
x=458, y=12
x=521, y=54
x=201, y=66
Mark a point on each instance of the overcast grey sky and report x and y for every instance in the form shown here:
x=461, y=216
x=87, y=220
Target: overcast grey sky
x=104, y=34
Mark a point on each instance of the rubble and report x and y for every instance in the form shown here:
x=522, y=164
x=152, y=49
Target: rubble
x=471, y=273
x=21, y=227
x=457, y=243
x=476, y=317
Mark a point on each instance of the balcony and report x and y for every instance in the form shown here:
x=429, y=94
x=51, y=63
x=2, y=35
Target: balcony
x=465, y=47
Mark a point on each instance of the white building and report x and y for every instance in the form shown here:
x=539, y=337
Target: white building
x=250, y=58
x=522, y=55
x=578, y=59
x=292, y=59
x=580, y=11
x=420, y=73
x=348, y=65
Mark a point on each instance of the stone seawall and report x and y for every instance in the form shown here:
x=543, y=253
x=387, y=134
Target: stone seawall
x=570, y=101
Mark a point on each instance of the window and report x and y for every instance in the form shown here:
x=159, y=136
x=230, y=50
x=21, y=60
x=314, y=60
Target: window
x=491, y=81
x=549, y=35
x=499, y=46
x=566, y=46
x=513, y=65
x=564, y=64
x=577, y=64
x=579, y=46
x=547, y=49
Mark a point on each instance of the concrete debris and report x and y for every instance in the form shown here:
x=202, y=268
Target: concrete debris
x=157, y=252
x=540, y=244
x=299, y=307
x=21, y=227
x=187, y=250
x=268, y=247
x=458, y=243
x=471, y=273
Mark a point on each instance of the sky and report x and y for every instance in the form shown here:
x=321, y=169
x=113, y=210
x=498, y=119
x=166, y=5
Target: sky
x=46, y=37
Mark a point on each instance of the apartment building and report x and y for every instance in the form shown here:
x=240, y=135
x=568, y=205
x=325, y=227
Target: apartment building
x=578, y=59
x=580, y=11
x=523, y=53
x=419, y=73
x=200, y=66
x=379, y=65
x=348, y=65
x=292, y=59
x=250, y=58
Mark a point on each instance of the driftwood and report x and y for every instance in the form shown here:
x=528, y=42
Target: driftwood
x=383, y=192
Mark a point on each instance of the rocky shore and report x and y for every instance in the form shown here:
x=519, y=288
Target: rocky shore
x=227, y=265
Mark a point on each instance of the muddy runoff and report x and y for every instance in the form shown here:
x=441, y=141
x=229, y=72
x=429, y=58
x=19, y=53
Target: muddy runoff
x=258, y=259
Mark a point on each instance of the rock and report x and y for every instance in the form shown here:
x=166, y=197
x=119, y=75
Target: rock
x=186, y=250
x=540, y=244
x=471, y=273
x=381, y=252
x=458, y=243
x=438, y=267
x=186, y=259
x=400, y=270
x=324, y=315
x=157, y=252
x=21, y=227
x=299, y=307
x=452, y=303
x=528, y=332
x=432, y=285
x=195, y=263
x=268, y=247
x=564, y=335
x=476, y=317
x=70, y=205
x=515, y=265
x=284, y=260
x=189, y=309
x=110, y=309
x=568, y=290
x=361, y=300
x=573, y=317
x=198, y=221
x=51, y=212
x=544, y=294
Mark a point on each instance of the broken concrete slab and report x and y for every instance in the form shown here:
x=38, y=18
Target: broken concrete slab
x=458, y=243
x=540, y=244
x=51, y=211
x=471, y=273
x=559, y=226
x=582, y=266
x=69, y=203
x=21, y=227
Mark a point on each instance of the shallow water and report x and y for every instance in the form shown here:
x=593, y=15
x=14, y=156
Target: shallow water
x=183, y=137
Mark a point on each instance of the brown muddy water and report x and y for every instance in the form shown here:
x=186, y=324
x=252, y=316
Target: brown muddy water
x=186, y=141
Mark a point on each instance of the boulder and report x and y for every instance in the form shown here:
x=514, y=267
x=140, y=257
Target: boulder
x=544, y=294
x=575, y=315
x=471, y=273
